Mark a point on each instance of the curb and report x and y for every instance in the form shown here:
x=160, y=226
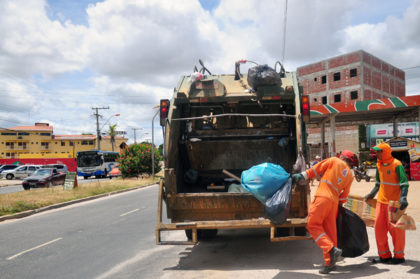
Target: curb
x=63, y=204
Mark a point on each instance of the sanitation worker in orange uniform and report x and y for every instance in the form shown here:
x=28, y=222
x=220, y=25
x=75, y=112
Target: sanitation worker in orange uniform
x=334, y=187
x=391, y=185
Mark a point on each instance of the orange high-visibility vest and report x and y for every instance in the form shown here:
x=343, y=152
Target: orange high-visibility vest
x=390, y=188
x=336, y=179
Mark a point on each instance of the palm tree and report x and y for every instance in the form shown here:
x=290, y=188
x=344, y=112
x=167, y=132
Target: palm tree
x=112, y=133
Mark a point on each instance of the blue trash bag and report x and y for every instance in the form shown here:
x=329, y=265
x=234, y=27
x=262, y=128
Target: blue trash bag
x=277, y=207
x=263, y=180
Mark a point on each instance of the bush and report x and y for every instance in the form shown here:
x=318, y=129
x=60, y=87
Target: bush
x=136, y=159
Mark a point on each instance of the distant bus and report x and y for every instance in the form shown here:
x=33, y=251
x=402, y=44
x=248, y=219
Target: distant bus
x=95, y=163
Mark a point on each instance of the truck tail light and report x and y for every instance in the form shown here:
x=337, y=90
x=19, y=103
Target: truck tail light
x=164, y=109
x=305, y=108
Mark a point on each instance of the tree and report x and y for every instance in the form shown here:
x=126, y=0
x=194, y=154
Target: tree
x=136, y=159
x=112, y=133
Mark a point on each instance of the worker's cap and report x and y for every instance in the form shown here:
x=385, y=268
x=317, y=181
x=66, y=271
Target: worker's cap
x=352, y=158
x=317, y=157
x=376, y=148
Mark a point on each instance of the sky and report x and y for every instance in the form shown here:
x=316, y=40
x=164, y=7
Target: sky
x=59, y=58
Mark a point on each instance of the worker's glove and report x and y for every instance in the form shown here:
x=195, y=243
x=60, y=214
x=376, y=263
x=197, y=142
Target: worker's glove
x=297, y=177
x=372, y=193
x=403, y=198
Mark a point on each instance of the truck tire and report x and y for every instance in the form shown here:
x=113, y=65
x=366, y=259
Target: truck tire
x=26, y=187
x=9, y=176
x=358, y=178
x=202, y=234
x=367, y=178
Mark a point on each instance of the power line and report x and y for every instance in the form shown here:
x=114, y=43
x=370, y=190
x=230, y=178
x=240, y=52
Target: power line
x=411, y=68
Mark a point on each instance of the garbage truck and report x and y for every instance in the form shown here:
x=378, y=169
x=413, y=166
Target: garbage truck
x=226, y=123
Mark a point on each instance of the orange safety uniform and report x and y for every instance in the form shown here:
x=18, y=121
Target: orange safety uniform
x=391, y=177
x=334, y=187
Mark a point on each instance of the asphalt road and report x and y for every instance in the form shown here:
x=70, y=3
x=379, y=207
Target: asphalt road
x=114, y=238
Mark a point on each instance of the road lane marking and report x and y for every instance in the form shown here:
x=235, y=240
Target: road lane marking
x=129, y=212
x=39, y=246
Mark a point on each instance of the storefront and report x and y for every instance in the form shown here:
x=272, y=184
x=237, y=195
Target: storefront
x=408, y=152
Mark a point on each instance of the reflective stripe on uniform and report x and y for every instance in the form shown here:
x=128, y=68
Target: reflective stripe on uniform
x=316, y=174
x=380, y=252
x=391, y=184
x=321, y=235
x=398, y=252
x=332, y=185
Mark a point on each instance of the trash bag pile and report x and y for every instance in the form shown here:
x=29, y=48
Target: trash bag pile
x=263, y=75
x=272, y=186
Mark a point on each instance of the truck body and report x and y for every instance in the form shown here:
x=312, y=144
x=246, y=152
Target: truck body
x=219, y=123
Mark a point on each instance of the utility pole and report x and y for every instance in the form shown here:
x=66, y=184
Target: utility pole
x=98, y=131
x=134, y=131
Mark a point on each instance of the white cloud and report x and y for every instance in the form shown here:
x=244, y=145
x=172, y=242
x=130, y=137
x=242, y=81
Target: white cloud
x=30, y=43
x=149, y=41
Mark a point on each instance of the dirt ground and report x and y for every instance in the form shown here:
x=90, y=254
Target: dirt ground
x=363, y=188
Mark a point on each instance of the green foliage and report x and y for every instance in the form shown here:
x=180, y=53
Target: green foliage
x=136, y=159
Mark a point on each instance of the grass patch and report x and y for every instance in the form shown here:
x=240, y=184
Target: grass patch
x=40, y=197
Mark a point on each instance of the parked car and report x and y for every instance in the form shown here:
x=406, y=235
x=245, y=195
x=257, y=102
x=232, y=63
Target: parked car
x=7, y=167
x=45, y=177
x=60, y=167
x=19, y=172
x=115, y=172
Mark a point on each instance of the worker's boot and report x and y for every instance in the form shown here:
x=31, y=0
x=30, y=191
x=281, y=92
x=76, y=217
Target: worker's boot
x=383, y=260
x=335, y=253
x=397, y=260
x=327, y=269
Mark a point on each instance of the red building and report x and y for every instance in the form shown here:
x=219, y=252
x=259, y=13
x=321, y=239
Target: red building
x=355, y=76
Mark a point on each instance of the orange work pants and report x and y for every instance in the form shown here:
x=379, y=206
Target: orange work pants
x=322, y=219
x=382, y=227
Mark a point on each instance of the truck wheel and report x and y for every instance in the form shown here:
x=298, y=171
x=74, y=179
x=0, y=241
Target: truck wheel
x=358, y=178
x=85, y=177
x=9, y=176
x=26, y=187
x=368, y=179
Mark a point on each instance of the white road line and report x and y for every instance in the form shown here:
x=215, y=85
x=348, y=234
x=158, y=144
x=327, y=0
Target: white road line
x=129, y=212
x=39, y=246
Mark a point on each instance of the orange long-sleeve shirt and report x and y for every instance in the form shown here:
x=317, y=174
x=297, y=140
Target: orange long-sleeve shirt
x=336, y=179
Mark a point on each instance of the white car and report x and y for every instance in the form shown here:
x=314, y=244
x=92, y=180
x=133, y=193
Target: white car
x=19, y=172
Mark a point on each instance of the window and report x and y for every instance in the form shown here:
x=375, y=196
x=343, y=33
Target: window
x=45, y=134
x=324, y=79
x=91, y=142
x=353, y=72
x=23, y=134
x=315, y=79
x=63, y=143
x=85, y=142
x=353, y=95
x=337, y=98
x=71, y=143
x=324, y=100
x=337, y=76
x=315, y=100
x=8, y=134
x=55, y=142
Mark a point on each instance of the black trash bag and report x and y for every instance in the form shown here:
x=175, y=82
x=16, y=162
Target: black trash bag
x=263, y=75
x=352, y=235
x=277, y=207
